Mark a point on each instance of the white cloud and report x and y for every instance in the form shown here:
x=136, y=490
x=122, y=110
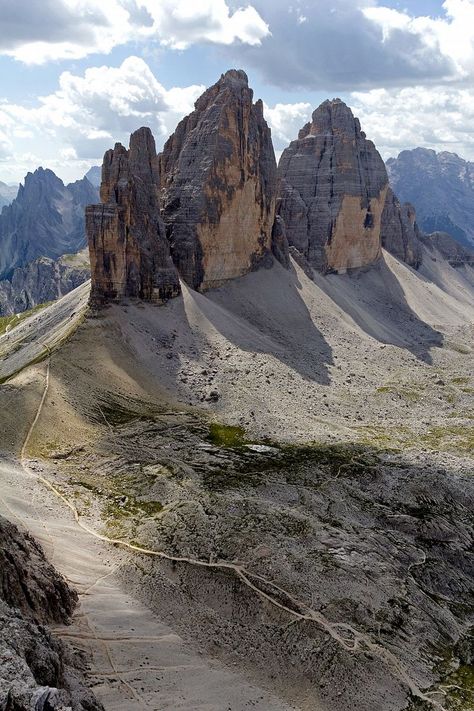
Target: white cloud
x=285, y=120
x=433, y=117
x=70, y=29
x=452, y=35
x=89, y=113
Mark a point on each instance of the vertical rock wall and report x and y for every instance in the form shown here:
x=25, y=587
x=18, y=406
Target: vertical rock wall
x=129, y=252
x=218, y=185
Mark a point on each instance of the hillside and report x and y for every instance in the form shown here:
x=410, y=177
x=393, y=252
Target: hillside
x=144, y=427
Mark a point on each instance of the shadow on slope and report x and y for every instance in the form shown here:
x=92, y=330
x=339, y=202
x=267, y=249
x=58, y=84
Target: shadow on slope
x=268, y=302
x=375, y=299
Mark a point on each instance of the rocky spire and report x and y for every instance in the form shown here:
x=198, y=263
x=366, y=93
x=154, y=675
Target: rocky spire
x=332, y=190
x=399, y=230
x=128, y=248
x=218, y=185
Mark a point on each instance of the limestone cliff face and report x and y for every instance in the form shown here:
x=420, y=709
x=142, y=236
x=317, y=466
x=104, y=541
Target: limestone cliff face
x=400, y=233
x=218, y=185
x=128, y=248
x=332, y=190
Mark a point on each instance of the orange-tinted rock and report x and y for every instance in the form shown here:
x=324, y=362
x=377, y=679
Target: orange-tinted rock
x=332, y=190
x=218, y=186
x=129, y=252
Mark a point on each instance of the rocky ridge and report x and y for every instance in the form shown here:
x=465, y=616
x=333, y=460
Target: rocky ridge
x=129, y=252
x=46, y=219
x=44, y=279
x=456, y=254
x=441, y=186
x=37, y=671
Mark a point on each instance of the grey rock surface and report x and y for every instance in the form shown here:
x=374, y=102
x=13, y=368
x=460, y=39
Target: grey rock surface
x=332, y=189
x=43, y=280
x=441, y=186
x=45, y=219
x=455, y=253
x=399, y=231
x=218, y=185
x=37, y=671
x=129, y=252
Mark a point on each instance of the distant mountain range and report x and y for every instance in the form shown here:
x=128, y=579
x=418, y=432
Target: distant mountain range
x=46, y=219
x=441, y=186
x=94, y=175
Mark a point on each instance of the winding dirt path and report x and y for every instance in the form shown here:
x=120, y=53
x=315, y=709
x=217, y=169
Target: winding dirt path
x=345, y=635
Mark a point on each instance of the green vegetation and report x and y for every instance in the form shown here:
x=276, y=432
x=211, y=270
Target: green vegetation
x=460, y=381
x=227, y=435
x=7, y=323
x=412, y=393
x=445, y=438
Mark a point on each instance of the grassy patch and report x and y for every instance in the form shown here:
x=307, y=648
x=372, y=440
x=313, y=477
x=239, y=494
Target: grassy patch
x=227, y=435
x=445, y=438
x=460, y=381
x=411, y=393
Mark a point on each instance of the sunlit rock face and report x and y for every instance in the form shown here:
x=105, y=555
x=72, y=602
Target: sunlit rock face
x=129, y=252
x=218, y=186
x=332, y=190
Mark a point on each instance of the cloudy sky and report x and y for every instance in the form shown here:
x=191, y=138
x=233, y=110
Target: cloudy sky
x=78, y=75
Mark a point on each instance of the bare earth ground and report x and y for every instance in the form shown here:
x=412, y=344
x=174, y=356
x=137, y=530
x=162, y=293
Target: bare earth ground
x=349, y=581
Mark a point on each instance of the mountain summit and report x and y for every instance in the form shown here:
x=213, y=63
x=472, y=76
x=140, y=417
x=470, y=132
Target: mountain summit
x=46, y=219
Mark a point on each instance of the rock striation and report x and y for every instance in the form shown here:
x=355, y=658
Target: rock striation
x=332, y=190
x=218, y=185
x=43, y=280
x=399, y=231
x=441, y=186
x=46, y=219
x=37, y=671
x=129, y=252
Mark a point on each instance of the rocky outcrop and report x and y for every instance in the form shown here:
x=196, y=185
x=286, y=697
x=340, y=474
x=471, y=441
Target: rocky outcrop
x=218, y=185
x=332, y=190
x=46, y=219
x=441, y=186
x=43, y=280
x=129, y=252
x=450, y=249
x=37, y=671
x=399, y=231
